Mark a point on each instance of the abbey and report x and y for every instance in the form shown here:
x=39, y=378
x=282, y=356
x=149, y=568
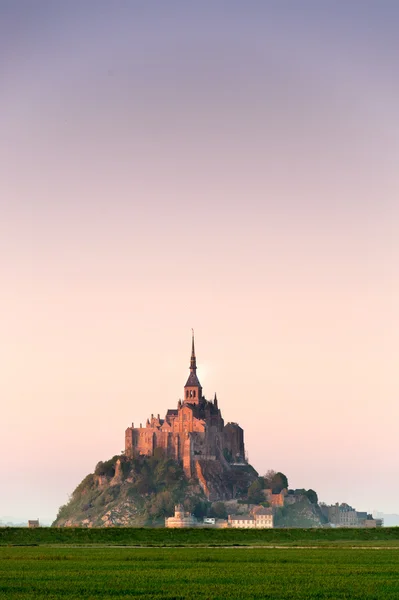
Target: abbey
x=192, y=432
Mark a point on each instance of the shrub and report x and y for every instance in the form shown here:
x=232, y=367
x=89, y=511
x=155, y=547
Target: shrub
x=86, y=484
x=106, y=468
x=275, y=481
x=312, y=496
x=255, y=494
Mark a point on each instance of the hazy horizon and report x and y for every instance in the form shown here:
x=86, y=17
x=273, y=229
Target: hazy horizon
x=224, y=166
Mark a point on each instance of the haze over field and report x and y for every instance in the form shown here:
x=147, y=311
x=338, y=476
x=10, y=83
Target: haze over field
x=226, y=166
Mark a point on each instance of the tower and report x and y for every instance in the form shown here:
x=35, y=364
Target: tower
x=192, y=389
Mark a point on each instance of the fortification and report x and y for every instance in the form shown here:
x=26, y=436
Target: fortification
x=193, y=431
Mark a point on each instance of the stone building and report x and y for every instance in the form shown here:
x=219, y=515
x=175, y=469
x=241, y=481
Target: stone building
x=264, y=518
x=343, y=515
x=193, y=431
x=180, y=519
x=241, y=521
x=33, y=523
x=260, y=518
x=275, y=499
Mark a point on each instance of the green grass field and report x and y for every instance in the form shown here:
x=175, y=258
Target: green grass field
x=190, y=573
x=198, y=537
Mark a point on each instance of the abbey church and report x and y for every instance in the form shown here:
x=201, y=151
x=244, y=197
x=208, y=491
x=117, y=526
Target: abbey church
x=192, y=432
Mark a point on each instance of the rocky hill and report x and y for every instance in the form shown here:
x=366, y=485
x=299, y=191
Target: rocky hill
x=190, y=457
x=142, y=491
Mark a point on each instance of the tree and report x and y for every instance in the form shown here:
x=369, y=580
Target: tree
x=255, y=494
x=200, y=509
x=106, y=468
x=144, y=483
x=276, y=481
x=312, y=496
x=218, y=510
x=162, y=506
x=268, y=478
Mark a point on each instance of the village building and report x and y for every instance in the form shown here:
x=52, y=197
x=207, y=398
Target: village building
x=263, y=517
x=180, y=519
x=343, y=515
x=33, y=523
x=370, y=521
x=275, y=499
x=260, y=518
x=241, y=521
x=194, y=431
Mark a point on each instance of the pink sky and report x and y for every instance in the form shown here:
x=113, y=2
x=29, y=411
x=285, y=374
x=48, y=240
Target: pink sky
x=232, y=172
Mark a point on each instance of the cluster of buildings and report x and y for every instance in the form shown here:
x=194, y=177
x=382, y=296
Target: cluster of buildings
x=337, y=515
x=195, y=435
x=194, y=431
x=343, y=515
x=258, y=518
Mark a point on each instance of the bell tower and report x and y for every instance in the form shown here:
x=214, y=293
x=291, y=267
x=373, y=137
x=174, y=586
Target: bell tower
x=192, y=389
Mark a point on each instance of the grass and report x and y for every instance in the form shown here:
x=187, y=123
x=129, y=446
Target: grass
x=191, y=573
x=198, y=537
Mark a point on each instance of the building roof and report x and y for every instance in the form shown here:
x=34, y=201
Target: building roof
x=172, y=411
x=264, y=511
x=193, y=380
x=241, y=518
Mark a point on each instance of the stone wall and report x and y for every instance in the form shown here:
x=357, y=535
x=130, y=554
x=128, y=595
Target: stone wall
x=233, y=441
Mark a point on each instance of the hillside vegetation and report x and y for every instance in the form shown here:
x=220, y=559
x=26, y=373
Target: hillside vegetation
x=136, y=492
x=143, y=491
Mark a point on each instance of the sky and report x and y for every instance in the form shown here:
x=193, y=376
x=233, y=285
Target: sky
x=222, y=165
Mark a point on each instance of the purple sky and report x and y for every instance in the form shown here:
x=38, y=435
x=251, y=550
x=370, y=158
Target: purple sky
x=227, y=166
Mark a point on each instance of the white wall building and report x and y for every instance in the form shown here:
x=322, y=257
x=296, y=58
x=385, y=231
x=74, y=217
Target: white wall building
x=262, y=518
x=181, y=519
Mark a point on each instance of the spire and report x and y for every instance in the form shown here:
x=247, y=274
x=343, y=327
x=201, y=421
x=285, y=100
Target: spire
x=193, y=362
x=192, y=381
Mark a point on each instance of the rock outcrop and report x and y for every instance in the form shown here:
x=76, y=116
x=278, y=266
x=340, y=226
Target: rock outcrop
x=143, y=491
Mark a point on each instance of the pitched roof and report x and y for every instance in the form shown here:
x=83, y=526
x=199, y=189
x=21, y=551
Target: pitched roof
x=193, y=380
x=264, y=511
x=361, y=515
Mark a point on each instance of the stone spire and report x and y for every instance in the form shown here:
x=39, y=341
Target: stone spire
x=193, y=389
x=193, y=361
